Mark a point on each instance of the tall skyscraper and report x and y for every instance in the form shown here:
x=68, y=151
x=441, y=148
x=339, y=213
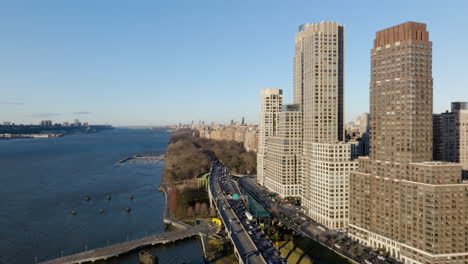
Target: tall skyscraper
x=400, y=200
x=451, y=135
x=283, y=154
x=319, y=80
x=319, y=89
x=271, y=102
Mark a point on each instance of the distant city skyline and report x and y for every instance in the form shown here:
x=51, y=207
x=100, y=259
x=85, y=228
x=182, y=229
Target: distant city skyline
x=160, y=63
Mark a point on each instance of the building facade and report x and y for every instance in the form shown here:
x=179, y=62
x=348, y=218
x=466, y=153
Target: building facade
x=451, y=136
x=271, y=103
x=401, y=201
x=326, y=182
x=238, y=132
x=319, y=88
x=358, y=131
x=283, y=154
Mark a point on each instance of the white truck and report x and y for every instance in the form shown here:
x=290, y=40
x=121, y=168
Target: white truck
x=248, y=215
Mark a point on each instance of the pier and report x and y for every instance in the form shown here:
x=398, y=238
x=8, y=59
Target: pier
x=143, y=158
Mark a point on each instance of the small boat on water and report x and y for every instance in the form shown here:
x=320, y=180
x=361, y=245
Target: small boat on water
x=87, y=198
x=73, y=212
x=127, y=209
x=108, y=197
x=131, y=196
x=101, y=211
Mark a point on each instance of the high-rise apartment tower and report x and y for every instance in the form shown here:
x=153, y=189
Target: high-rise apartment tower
x=319, y=89
x=401, y=201
x=283, y=154
x=271, y=102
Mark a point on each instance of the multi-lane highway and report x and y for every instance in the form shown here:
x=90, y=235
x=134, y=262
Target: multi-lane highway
x=250, y=241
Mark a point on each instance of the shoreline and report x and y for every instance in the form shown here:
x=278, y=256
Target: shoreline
x=37, y=133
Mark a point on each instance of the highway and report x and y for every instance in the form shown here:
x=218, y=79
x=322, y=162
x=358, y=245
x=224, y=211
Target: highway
x=247, y=250
x=251, y=242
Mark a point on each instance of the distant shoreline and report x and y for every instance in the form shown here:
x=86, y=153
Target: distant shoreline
x=54, y=133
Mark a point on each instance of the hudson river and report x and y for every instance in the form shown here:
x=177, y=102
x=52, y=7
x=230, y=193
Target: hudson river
x=43, y=180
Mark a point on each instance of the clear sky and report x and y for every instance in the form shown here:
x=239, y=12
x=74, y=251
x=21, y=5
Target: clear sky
x=159, y=62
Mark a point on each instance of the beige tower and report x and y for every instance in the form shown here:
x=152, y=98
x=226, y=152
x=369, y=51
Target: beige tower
x=400, y=201
x=319, y=80
x=319, y=88
x=271, y=102
x=283, y=154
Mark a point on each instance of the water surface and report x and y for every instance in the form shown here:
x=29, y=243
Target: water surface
x=43, y=180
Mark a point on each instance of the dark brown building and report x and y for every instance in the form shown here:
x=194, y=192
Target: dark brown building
x=400, y=200
x=451, y=135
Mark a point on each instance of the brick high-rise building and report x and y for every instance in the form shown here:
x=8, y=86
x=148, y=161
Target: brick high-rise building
x=401, y=201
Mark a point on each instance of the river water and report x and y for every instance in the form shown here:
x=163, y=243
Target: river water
x=43, y=180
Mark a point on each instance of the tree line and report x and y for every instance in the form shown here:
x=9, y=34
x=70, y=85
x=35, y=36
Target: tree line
x=186, y=160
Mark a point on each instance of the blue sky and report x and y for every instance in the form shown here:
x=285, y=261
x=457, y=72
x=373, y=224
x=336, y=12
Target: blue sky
x=160, y=62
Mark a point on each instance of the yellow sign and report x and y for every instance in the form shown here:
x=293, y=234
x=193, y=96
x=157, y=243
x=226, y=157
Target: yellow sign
x=217, y=221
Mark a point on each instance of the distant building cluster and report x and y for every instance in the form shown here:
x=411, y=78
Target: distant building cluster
x=46, y=129
x=49, y=123
x=358, y=131
x=392, y=177
x=238, y=132
x=451, y=136
x=75, y=123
